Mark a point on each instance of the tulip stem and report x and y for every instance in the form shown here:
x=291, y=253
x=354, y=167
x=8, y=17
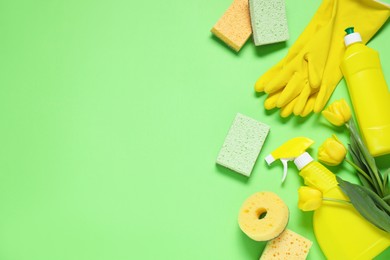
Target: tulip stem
x=367, y=159
x=337, y=200
x=359, y=170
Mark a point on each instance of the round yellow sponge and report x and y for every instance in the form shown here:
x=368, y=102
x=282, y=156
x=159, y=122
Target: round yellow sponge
x=263, y=216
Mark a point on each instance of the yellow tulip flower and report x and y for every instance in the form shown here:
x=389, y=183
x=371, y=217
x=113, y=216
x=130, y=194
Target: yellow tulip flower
x=309, y=198
x=332, y=152
x=337, y=113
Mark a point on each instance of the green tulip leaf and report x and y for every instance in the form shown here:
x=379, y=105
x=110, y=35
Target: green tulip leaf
x=386, y=179
x=359, y=163
x=368, y=204
x=365, y=158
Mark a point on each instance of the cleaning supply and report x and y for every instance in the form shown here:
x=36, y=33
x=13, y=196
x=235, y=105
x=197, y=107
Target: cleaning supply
x=312, y=71
x=243, y=144
x=320, y=17
x=368, y=91
x=335, y=224
x=234, y=27
x=288, y=245
x=295, y=146
x=269, y=21
x=263, y=216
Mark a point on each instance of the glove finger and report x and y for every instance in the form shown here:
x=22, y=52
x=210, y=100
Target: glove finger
x=270, y=101
x=309, y=105
x=326, y=91
x=279, y=80
x=268, y=76
x=320, y=100
x=288, y=109
x=291, y=91
x=313, y=74
x=302, y=99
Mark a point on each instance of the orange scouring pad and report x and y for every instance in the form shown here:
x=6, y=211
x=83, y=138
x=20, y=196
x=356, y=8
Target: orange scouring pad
x=234, y=27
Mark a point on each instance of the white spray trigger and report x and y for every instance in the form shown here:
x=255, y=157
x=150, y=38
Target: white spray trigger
x=285, y=167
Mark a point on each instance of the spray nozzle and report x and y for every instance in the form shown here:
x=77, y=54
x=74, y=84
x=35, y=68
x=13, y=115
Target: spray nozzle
x=289, y=151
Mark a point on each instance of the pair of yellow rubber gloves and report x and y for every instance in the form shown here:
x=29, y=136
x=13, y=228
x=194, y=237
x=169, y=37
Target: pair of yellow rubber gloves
x=303, y=81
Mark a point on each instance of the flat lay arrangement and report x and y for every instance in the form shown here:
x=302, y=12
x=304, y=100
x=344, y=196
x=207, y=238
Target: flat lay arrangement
x=301, y=84
x=191, y=130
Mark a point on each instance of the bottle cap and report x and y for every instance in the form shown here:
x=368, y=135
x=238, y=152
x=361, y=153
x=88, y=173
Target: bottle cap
x=303, y=160
x=351, y=36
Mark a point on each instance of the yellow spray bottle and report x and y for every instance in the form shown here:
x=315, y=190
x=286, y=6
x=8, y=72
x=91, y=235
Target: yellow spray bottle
x=340, y=230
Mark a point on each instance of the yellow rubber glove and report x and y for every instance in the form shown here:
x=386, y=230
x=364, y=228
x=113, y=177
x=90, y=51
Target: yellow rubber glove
x=309, y=106
x=320, y=17
x=270, y=103
x=299, y=75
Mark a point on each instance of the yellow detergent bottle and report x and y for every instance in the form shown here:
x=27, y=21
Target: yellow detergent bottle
x=340, y=230
x=369, y=93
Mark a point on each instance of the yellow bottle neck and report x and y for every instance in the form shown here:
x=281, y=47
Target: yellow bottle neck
x=318, y=176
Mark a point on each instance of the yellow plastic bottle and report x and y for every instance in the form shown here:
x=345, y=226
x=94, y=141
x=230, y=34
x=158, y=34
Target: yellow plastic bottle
x=340, y=230
x=369, y=93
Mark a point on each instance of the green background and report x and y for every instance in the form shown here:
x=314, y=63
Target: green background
x=112, y=115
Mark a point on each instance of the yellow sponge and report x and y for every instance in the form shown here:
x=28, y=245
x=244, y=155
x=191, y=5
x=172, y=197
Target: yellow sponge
x=289, y=245
x=234, y=27
x=263, y=216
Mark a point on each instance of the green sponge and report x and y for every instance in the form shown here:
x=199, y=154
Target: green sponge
x=269, y=21
x=243, y=144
